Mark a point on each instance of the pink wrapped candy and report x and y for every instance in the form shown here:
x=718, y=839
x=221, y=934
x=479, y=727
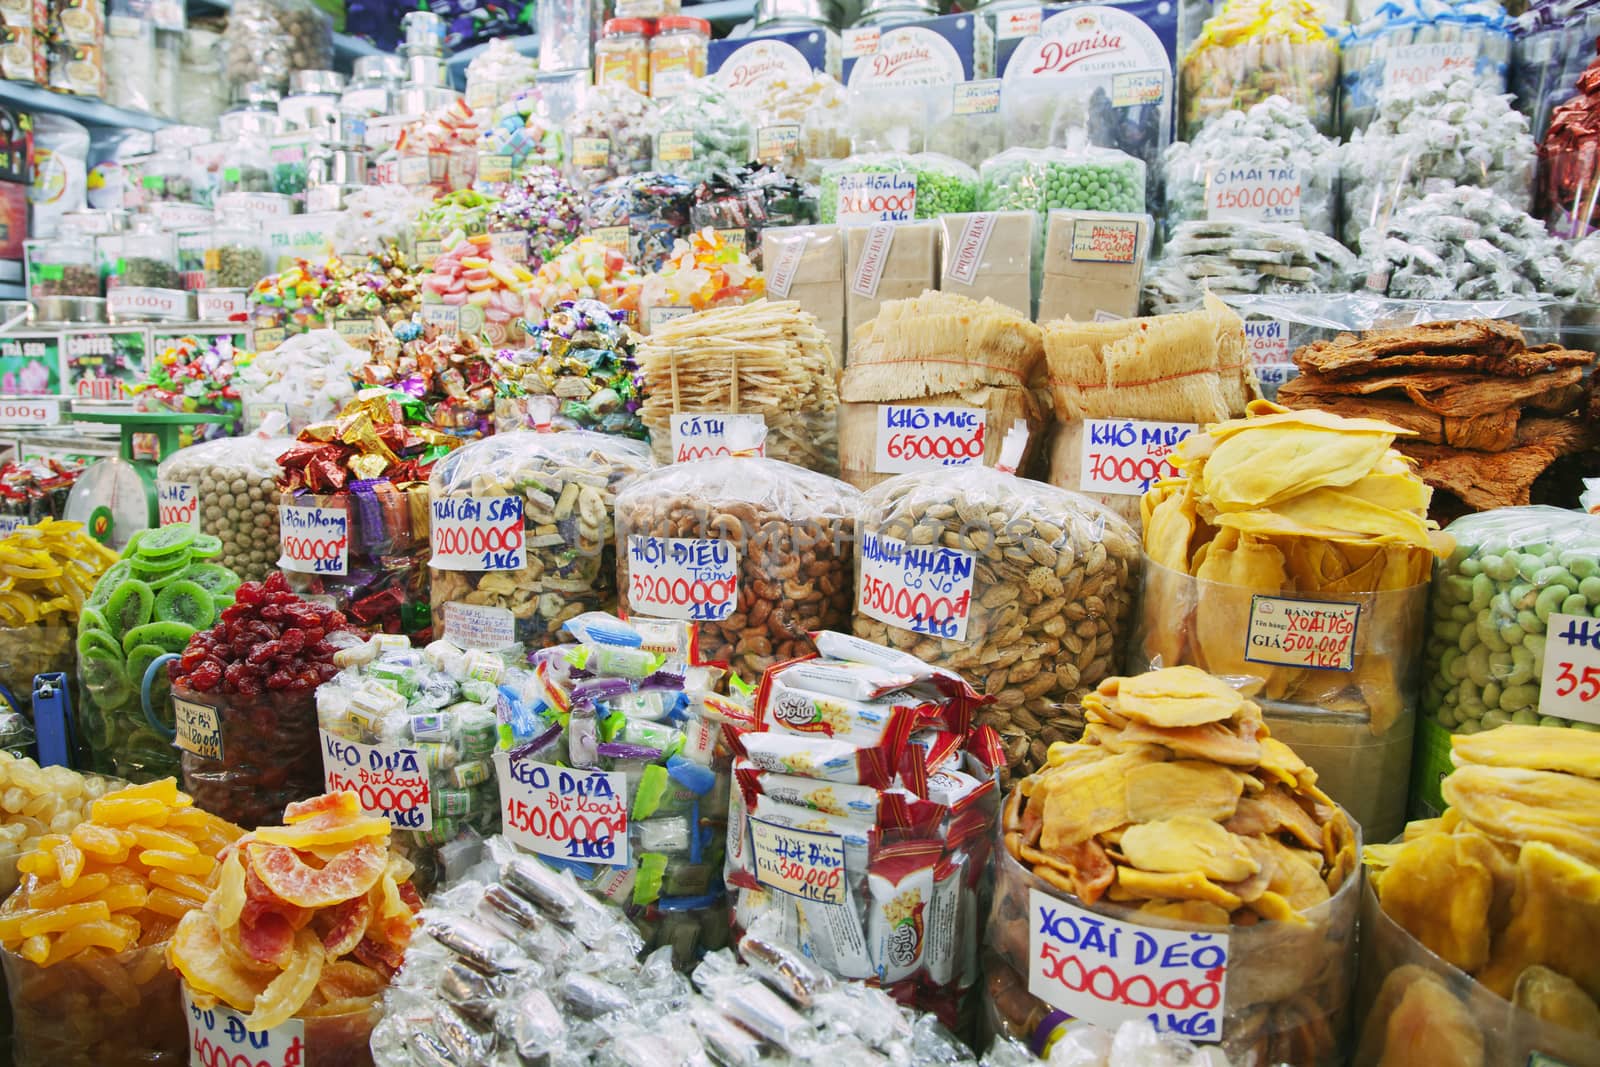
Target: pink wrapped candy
x=488, y=289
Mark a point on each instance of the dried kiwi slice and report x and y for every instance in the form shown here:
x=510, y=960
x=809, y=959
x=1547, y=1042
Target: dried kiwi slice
x=132, y=547
x=103, y=677
x=168, y=636
x=139, y=661
x=168, y=564
x=130, y=606
x=91, y=619
x=206, y=546
x=113, y=578
x=91, y=639
x=166, y=540
x=213, y=578
x=187, y=603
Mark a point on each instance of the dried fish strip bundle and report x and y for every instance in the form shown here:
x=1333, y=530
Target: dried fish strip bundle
x=1244, y=258
x=764, y=358
x=1178, y=809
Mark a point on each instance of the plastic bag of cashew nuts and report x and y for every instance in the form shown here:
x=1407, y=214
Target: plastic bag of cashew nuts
x=1024, y=589
x=566, y=487
x=755, y=551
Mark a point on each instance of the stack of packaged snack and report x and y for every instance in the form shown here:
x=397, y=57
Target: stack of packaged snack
x=859, y=829
x=35, y=489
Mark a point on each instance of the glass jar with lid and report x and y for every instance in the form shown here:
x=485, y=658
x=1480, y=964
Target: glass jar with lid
x=146, y=258
x=170, y=175
x=785, y=16
x=887, y=13
x=622, y=55
x=372, y=79
x=247, y=167
x=235, y=254
x=62, y=266
x=255, y=112
x=678, y=54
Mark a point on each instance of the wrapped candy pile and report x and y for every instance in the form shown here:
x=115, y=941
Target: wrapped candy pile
x=1450, y=131
x=875, y=746
x=290, y=300
x=35, y=489
x=376, y=216
x=1253, y=49
x=309, y=376
x=748, y=199
x=447, y=221
x=644, y=214
x=385, y=288
x=488, y=288
x=448, y=139
x=582, y=356
x=609, y=134
x=586, y=270
x=449, y=373
x=525, y=967
x=702, y=130
x=705, y=271
x=193, y=375
x=538, y=214
x=521, y=131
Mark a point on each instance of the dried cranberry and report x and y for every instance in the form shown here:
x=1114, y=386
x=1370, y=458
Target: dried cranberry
x=280, y=679
x=205, y=676
x=275, y=583
x=326, y=671
x=275, y=613
x=260, y=654
x=292, y=640
x=249, y=595
x=192, y=657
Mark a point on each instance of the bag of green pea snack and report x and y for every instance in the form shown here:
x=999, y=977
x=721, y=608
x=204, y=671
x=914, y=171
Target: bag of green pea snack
x=895, y=187
x=1514, y=634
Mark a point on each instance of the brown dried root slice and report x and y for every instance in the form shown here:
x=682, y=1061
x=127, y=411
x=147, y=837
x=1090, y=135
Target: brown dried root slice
x=1177, y=696
x=1274, y=811
x=1555, y=921
x=1134, y=884
x=1519, y=806
x=1086, y=800
x=1439, y=889
x=1188, y=843
x=1428, y=1027
x=1533, y=748
x=1162, y=790
x=1555, y=998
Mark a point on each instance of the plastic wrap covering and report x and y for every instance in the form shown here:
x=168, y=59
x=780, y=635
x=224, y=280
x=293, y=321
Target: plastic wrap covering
x=771, y=543
x=1253, y=49
x=131, y=1012
x=925, y=186
x=1569, y=176
x=1414, y=42
x=700, y=131
x=267, y=40
x=307, y=378
x=566, y=484
x=1243, y=258
x=744, y=201
x=801, y=127
x=25, y=651
x=228, y=489
x=498, y=74
x=1035, y=589
x=609, y=135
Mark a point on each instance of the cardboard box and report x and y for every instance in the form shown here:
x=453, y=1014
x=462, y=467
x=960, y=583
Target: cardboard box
x=935, y=51
x=748, y=64
x=887, y=261
x=989, y=254
x=806, y=264
x=1013, y=26
x=1093, y=264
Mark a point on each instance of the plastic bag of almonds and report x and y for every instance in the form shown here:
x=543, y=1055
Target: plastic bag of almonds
x=228, y=488
x=1022, y=588
x=756, y=551
x=565, y=485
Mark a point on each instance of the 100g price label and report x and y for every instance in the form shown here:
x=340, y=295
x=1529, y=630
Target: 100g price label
x=1570, y=684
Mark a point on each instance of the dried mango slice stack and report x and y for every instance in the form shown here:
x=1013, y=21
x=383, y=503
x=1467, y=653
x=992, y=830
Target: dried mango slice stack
x=1285, y=502
x=311, y=918
x=47, y=568
x=120, y=879
x=1178, y=802
x=1506, y=884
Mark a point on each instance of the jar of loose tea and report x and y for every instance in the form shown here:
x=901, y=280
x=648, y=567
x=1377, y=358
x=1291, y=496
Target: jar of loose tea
x=62, y=266
x=146, y=259
x=235, y=255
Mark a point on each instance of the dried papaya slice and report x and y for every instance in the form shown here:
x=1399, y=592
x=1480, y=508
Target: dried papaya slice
x=343, y=803
x=284, y=995
x=196, y=952
x=292, y=879
x=345, y=925
x=266, y=936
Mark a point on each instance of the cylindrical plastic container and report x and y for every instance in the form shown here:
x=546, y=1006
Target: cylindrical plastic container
x=271, y=754
x=622, y=55
x=108, y=1011
x=63, y=267
x=678, y=54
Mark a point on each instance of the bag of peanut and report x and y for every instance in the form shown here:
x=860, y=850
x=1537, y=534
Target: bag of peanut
x=1022, y=588
x=755, y=551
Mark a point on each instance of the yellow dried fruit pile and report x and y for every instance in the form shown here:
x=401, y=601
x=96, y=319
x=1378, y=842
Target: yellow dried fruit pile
x=1505, y=886
x=1178, y=802
x=48, y=568
x=1286, y=502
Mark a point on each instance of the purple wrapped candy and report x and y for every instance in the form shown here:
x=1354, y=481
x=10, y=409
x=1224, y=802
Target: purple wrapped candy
x=543, y=206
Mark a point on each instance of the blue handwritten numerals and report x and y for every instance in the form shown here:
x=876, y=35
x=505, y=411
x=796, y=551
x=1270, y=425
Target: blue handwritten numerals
x=478, y=533
x=1108, y=971
x=566, y=812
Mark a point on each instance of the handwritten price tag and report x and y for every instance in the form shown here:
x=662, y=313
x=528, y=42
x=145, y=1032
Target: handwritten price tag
x=391, y=781
x=683, y=578
x=1285, y=632
x=217, y=1038
x=1570, y=684
x=1268, y=341
x=1106, y=971
x=1105, y=241
x=34, y=411
x=1124, y=457
x=314, y=540
x=1254, y=194
x=912, y=438
x=802, y=863
x=924, y=589
x=1419, y=64
x=568, y=813
x=479, y=626
x=199, y=728
x=706, y=436
x=866, y=198
x=478, y=533
x=11, y=522
x=177, y=502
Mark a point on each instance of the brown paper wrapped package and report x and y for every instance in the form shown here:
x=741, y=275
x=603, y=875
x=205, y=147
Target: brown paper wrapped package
x=1081, y=278
x=806, y=264
x=989, y=254
x=908, y=267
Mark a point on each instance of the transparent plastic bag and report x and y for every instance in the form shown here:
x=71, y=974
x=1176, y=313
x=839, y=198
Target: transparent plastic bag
x=1404, y=42
x=109, y=1011
x=786, y=531
x=568, y=485
x=308, y=376
x=1035, y=587
x=38, y=648
x=936, y=185
x=228, y=488
x=271, y=755
x=701, y=130
x=498, y=74
x=609, y=134
x=1253, y=49
x=267, y=40
x=812, y=114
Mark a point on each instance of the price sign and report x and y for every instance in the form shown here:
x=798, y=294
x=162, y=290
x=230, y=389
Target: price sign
x=266, y=338
x=513, y=244
x=1105, y=241
x=493, y=167
x=415, y=170
x=1124, y=457
x=178, y=502
x=675, y=146
x=9, y=523
x=1419, y=64
x=1319, y=634
x=314, y=540
x=568, y=813
x=1570, y=684
x=977, y=97
x=446, y=317
x=1107, y=971
x=33, y=411
x=1253, y=194
x=683, y=578
x=706, y=436
x=199, y=728
x=479, y=626
x=774, y=144
x=802, y=863
x=613, y=237
x=1268, y=340
x=926, y=589
x=591, y=151
x=218, y=1038
x=868, y=197
x=478, y=533
x=916, y=438
x=216, y=305
x=390, y=781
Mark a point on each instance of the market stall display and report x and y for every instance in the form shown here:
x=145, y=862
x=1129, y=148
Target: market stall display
x=49, y=570
x=538, y=215
x=741, y=202
x=227, y=489
x=609, y=134
x=1178, y=812
x=644, y=215
x=477, y=289
x=36, y=489
x=701, y=130
x=586, y=269
x=193, y=374
x=382, y=284
x=1254, y=49
x=928, y=183
x=51, y=800
x=578, y=371
x=308, y=378
x=447, y=371
x=800, y=123
x=288, y=302
x=705, y=270
x=1231, y=258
